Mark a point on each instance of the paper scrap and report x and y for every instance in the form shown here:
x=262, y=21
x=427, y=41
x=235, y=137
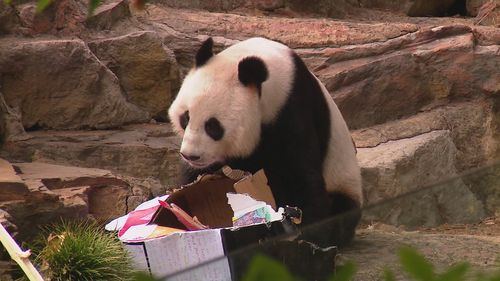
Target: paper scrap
x=248, y=211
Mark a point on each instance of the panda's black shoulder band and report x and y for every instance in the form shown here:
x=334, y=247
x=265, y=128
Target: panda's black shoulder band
x=252, y=71
x=205, y=52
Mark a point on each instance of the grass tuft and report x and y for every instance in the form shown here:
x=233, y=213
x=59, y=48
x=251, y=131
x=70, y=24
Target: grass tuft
x=81, y=251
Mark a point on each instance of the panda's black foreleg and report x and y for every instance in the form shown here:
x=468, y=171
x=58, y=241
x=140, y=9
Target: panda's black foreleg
x=346, y=215
x=336, y=229
x=328, y=218
x=314, y=197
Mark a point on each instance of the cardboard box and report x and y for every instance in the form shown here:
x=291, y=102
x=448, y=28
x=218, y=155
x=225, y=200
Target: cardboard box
x=213, y=248
x=206, y=197
x=166, y=256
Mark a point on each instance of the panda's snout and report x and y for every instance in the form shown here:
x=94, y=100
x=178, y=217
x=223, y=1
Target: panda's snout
x=190, y=157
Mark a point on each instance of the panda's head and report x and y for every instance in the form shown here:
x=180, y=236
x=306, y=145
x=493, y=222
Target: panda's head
x=216, y=111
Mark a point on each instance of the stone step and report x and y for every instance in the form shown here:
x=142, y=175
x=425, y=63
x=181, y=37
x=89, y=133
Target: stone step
x=97, y=191
x=12, y=187
x=470, y=124
x=142, y=151
x=399, y=167
x=56, y=191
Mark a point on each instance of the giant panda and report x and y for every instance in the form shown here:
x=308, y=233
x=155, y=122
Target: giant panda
x=255, y=105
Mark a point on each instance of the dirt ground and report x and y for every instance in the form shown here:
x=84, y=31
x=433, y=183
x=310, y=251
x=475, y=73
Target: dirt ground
x=376, y=246
x=488, y=227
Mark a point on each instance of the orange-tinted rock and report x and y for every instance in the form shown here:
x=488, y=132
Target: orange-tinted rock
x=61, y=84
x=143, y=151
x=12, y=187
x=146, y=69
x=108, y=13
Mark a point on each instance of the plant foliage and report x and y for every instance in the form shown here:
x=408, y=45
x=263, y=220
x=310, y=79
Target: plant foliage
x=263, y=268
x=71, y=251
x=41, y=5
x=344, y=272
x=416, y=265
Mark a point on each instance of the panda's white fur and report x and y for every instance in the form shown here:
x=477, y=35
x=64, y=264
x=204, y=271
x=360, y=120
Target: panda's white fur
x=341, y=170
x=236, y=100
x=216, y=86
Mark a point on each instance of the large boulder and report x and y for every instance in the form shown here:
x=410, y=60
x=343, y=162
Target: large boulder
x=469, y=124
x=146, y=69
x=61, y=84
x=408, y=166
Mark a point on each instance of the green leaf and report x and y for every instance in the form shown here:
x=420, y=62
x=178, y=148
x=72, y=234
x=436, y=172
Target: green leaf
x=41, y=5
x=7, y=2
x=344, y=273
x=455, y=273
x=92, y=6
x=389, y=275
x=416, y=265
x=263, y=268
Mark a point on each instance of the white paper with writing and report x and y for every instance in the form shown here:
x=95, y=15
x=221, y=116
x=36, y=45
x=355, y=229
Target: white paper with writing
x=180, y=251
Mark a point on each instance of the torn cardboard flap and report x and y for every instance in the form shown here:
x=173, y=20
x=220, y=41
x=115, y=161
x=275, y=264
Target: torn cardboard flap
x=256, y=186
x=206, y=198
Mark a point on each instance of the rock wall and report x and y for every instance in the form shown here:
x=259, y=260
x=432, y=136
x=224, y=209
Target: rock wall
x=420, y=95
x=146, y=69
x=61, y=84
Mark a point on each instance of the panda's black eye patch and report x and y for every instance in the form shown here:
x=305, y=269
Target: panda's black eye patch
x=214, y=129
x=184, y=120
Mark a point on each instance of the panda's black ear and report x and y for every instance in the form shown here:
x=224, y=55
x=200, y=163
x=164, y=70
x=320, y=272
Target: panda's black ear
x=205, y=52
x=252, y=71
